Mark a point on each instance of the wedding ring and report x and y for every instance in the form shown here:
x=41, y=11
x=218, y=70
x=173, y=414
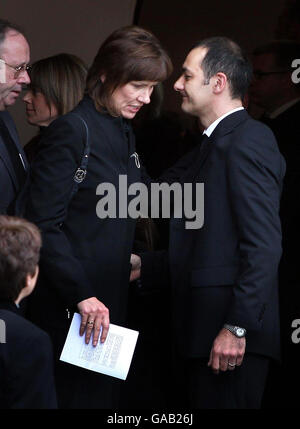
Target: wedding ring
x=231, y=364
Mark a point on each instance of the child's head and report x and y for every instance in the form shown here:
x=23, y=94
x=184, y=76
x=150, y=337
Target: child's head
x=20, y=243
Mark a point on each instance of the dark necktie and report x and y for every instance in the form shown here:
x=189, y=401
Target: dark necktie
x=204, y=143
x=193, y=169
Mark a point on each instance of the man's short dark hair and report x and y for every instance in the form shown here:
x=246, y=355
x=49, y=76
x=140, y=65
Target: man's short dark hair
x=5, y=26
x=284, y=51
x=20, y=243
x=226, y=56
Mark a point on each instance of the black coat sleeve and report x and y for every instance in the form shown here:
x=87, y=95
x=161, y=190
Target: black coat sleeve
x=51, y=184
x=174, y=173
x=255, y=172
x=31, y=381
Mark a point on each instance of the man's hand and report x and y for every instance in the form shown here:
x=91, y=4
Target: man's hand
x=135, y=267
x=94, y=315
x=227, y=352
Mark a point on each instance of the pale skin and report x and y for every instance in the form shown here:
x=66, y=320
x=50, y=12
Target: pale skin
x=89, y=307
x=14, y=51
x=94, y=315
x=4, y=91
x=208, y=100
x=128, y=100
x=6, y=87
x=30, y=284
x=37, y=110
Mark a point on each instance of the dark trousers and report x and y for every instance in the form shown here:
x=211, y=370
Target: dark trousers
x=199, y=388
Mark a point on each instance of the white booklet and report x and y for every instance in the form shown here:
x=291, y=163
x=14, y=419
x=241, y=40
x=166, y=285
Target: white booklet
x=113, y=357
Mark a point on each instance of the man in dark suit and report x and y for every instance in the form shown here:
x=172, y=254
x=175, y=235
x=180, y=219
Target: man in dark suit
x=14, y=58
x=276, y=90
x=224, y=275
x=26, y=365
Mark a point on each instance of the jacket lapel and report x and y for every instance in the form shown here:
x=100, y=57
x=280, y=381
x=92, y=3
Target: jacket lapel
x=226, y=126
x=200, y=158
x=116, y=123
x=10, y=125
x=134, y=166
x=7, y=162
x=229, y=123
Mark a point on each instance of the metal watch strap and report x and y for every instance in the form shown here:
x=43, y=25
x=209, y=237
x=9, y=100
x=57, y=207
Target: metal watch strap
x=233, y=329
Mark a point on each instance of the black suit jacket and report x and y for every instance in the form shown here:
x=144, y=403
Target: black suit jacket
x=82, y=255
x=226, y=272
x=26, y=363
x=10, y=185
x=286, y=128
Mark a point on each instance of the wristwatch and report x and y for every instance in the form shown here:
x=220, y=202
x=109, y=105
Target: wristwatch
x=235, y=330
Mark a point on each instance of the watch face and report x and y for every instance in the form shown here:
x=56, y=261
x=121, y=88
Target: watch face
x=240, y=332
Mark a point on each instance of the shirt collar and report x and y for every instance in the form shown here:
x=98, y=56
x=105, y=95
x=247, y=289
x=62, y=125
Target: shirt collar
x=212, y=126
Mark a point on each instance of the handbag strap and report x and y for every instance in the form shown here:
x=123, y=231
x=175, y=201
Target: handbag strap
x=80, y=173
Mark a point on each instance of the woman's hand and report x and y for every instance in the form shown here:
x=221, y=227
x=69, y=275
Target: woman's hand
x=94, y=316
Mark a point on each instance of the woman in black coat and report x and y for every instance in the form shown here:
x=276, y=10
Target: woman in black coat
x=56, y=86
x=85, y=262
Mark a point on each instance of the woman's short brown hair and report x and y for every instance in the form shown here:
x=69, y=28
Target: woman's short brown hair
x=20, y=243
x=128, y=54
x=61, y=79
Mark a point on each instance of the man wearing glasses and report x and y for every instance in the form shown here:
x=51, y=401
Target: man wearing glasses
x=14, y=59
x=277, y=91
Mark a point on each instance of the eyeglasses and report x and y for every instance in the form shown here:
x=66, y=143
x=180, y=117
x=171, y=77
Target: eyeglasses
x=19, y=69
x=259, y=74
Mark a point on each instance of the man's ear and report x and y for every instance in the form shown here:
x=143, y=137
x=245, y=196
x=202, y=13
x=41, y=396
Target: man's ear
x=31, y=279
x=102, y=78
x=220, y=81
x=30, y=284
